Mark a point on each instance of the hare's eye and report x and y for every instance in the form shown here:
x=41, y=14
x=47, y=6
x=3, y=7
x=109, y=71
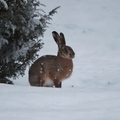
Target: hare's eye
x=64, y=49
x=70, y=55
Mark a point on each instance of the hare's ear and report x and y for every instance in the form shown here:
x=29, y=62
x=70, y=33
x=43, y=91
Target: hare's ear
x=62, y=38
x=56, y=38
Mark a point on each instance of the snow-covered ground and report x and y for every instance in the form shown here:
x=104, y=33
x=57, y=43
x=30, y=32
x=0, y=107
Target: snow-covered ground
x=92, y=29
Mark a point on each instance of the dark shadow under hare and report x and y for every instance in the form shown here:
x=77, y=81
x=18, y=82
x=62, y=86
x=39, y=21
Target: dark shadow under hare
x=51, y=70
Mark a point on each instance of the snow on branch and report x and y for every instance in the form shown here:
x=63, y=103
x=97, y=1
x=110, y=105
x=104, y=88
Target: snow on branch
x=4, y=3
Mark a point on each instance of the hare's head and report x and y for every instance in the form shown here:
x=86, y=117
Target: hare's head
x=64, y=50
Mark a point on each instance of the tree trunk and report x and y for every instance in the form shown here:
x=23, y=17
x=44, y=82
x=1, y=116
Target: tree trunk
x=6, y=81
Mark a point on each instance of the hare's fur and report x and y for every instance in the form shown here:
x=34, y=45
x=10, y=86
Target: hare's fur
x=50, y=70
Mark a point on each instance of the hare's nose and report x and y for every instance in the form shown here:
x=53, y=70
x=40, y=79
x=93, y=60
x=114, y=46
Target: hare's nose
x=71, y=56
x=74, y=56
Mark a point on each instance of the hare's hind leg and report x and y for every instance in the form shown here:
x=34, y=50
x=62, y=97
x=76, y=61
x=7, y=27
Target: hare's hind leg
x=58, y=84
x=34, y=80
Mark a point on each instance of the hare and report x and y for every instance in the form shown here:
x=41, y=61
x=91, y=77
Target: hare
x=51, y=70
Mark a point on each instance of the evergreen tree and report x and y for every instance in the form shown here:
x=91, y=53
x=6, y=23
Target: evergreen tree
x=22, y=23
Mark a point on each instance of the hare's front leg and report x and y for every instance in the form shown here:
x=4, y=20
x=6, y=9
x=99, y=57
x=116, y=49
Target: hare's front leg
x=58, y=84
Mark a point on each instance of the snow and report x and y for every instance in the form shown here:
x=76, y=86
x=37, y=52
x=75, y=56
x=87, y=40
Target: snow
x=92, y=29
x=4, y=3
x=24, y=102
x=23, y=51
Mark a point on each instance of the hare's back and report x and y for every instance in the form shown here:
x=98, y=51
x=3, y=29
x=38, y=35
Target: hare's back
x=43, y=61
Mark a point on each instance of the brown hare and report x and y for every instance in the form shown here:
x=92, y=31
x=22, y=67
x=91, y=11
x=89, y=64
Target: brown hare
x=50, y=70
